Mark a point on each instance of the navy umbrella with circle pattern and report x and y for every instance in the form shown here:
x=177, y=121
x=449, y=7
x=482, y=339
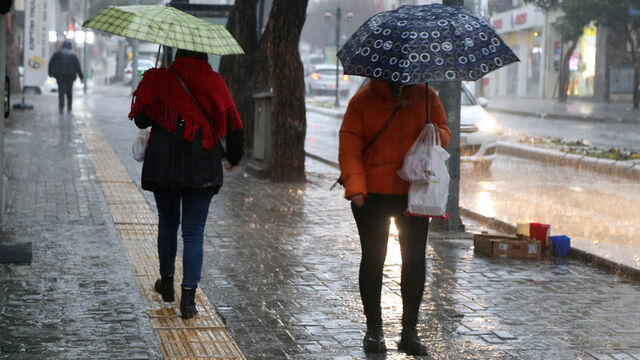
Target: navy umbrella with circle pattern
x=425, y=43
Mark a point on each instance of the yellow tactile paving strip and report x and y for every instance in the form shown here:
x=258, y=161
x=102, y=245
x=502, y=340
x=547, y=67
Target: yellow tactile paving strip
x=203, y=337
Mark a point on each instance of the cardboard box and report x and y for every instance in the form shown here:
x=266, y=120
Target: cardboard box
x=506, y=246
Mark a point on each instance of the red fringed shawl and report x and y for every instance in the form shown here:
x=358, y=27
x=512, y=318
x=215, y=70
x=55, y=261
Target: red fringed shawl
x=161, y=97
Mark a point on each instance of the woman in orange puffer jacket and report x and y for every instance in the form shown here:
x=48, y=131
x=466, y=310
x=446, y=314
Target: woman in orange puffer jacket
x=377, y=193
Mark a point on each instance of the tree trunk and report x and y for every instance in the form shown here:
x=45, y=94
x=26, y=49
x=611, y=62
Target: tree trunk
x=14, y=60
x=237, y=70
x=261, y=79
x=564, y=76
x=288, y=119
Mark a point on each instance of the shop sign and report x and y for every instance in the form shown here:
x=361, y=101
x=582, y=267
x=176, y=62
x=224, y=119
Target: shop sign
x=557, y=55
x=497, y=24
x=38, y=17
x=519, y=19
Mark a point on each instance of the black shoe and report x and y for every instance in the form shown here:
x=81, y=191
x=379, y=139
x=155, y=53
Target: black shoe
x=374, y=340
x=410, y=343
x=188, y=302
x=164, y=286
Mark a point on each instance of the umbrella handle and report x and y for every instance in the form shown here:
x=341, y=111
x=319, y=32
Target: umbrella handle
x=158, y=54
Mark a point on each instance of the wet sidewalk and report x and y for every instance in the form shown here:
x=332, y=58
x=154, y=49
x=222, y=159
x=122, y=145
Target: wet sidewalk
x=77, y=299
x=574, y=109
x=280, y=267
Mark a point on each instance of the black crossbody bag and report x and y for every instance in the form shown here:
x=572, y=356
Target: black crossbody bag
x=200, y=107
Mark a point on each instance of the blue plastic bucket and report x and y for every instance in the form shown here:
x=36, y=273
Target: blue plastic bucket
x=561, y=245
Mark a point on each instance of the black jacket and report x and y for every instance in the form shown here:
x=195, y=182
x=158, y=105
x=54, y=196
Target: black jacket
x=65, y=64
x=171, y=162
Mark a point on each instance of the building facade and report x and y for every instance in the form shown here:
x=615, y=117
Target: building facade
x=534, y=37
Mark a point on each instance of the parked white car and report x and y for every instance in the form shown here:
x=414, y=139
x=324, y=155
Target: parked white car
x=478, y=131
x=49, y=86
x=143, y=65
x=322, y=81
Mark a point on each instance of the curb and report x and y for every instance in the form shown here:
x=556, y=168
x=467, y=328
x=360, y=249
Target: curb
x=625, y=169
x=492, y=223
x=590, y=118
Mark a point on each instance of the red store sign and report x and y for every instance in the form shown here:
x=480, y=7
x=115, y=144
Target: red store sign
x=497, y=24
x=521, y=18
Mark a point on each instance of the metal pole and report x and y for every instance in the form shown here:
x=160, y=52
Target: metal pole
x=3, y=56
x=338, y=15
x=134, y=61
x=85, y=61
x=450, y=97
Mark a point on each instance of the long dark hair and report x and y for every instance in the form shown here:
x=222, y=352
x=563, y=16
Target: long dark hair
x=193, y=54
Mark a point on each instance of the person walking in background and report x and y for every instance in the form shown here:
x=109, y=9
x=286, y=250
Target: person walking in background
x=183, y=161
x=377, y=193
x=64, y=66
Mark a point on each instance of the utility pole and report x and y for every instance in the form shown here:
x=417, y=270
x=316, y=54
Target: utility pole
x=3, y=57
x=450, y=98
x=134, y=61
x=85, y=61
x=338, y=16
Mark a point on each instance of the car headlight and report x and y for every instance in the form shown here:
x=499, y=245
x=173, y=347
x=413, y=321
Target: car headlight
x=51, y=81
x=487, y=124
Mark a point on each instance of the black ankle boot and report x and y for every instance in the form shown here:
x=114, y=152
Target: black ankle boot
x=410, y=342
x=374, y=339
x=164, y=286
x=188, y=302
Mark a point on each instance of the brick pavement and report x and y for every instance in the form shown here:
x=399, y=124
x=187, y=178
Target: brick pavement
x=281, y=267
x=77, y=299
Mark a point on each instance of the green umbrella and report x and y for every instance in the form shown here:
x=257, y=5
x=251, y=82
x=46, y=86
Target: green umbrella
x=166, y=26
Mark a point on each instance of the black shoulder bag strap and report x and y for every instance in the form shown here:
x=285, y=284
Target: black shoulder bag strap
x=366, y=147
x=426, y=98
x=199, y=106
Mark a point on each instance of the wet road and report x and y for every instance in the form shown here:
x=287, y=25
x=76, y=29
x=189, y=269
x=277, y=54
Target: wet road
x=600, y=213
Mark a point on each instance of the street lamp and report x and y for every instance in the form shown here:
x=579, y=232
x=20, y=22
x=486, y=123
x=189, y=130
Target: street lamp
x=327, y=17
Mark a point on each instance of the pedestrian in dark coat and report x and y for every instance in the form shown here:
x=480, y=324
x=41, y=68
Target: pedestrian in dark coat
x=64, y=66
x=183, y=160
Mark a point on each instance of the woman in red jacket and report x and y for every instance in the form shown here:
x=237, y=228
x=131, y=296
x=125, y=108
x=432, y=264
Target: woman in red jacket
x=377, y=194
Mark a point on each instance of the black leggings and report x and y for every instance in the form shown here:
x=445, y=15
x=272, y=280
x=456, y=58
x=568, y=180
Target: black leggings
x=373, y=220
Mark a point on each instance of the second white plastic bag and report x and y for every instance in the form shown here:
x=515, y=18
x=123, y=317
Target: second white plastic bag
x=139, y=146
x=430, y=200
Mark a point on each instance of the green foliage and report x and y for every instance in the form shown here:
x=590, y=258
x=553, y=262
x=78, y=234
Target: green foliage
x=618, y=14
x=545, y=5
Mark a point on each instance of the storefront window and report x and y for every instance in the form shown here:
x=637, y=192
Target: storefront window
x=534, y=59
x=582, y=65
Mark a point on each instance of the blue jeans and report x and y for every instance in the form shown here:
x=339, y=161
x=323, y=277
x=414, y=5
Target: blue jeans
x=195, y=208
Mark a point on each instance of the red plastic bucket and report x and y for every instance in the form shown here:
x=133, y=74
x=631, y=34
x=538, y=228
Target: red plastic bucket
x=540, y=232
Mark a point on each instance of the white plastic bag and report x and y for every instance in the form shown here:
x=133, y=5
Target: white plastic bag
x=430, y=199
x=417, y=166
x=139, y=146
